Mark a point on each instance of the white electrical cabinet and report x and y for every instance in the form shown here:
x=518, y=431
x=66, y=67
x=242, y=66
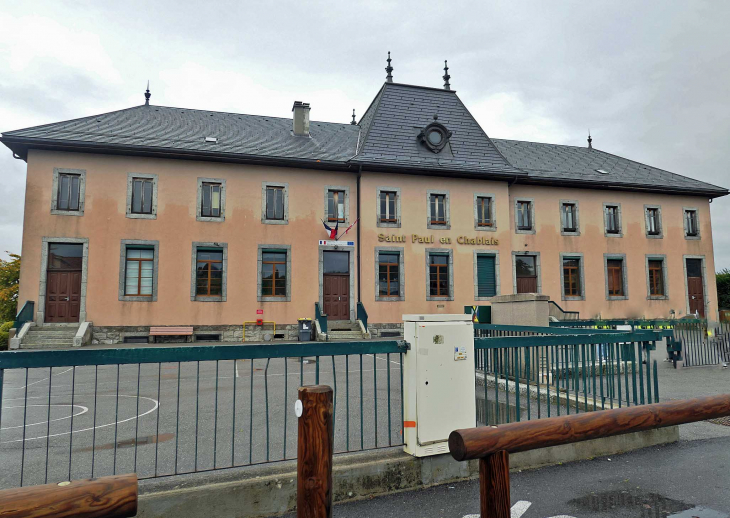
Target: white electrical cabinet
x=438, y=381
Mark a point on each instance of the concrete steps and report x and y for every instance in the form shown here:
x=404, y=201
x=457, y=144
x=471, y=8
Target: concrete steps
x=344, y=331
x=49, y=337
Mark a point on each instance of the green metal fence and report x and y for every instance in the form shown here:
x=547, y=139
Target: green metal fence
x=161, y=411
x=544, y=375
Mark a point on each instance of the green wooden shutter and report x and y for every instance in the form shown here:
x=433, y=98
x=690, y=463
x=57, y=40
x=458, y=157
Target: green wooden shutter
x=486, y=276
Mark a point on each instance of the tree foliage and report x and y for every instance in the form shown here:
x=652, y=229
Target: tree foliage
x=723, y=288
x=9, y=280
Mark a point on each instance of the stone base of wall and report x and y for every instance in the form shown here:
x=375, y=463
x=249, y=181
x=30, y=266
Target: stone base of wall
x=110, y=335
x=377, y=330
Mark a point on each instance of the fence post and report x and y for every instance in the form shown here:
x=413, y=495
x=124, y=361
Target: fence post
x=314, y=452
x=494, y=498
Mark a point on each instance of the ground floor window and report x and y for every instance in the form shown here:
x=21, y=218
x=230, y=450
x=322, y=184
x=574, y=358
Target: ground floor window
x=273, y=273
x=571, y=277
x=486, y=275
x=139, y=272
x=388, y=274
x=656, y=278
x=526, y=273
x=209, y=273
x=615, y=277
x=439, y=275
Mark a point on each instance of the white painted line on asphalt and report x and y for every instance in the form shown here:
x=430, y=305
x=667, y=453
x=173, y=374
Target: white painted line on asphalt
x=38, y=381
x=518, y=510
x=235, y=362
x=83, y=411
x=156, y=405
x=385, y=359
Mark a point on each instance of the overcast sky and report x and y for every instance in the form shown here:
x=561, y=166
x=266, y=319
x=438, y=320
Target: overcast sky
x=650, y=79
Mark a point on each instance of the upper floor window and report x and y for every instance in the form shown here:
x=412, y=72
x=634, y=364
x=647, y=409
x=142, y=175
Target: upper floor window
x=524, y=215
x=484, y=211
x=653, y=221
x=336, y=206
x=142, y=195
x=615, y=280
x=691, y=227
x=210, y=203
x=275, y=203
x=438, y=209
x=67, y=198
x=613, y=219
x=388, y=207
x=570, y=217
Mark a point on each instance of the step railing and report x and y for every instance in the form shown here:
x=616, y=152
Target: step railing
x=492, y=445
x=24, y=315
x=362, y=315
x=320, y=317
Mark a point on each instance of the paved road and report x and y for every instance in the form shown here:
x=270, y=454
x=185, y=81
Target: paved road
x=683, y=480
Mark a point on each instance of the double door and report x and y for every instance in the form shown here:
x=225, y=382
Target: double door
x=63, y=282
x=336, y=285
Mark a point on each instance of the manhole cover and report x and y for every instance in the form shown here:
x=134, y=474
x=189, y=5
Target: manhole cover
x=724, y=421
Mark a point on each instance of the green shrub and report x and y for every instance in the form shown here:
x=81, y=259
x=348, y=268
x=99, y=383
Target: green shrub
x=4, y=334
x=723, y=288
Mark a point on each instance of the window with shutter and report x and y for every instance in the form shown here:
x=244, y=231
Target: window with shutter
x=486, y=276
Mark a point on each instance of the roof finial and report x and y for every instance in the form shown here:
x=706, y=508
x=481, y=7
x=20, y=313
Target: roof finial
x=447, y=85
x=389, y=69
x=590, y=140
x=353, y=117
x=147, y=94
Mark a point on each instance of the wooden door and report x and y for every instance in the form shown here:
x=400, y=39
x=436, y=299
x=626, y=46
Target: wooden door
x=63, y=296
x=526, y=284
x=336, y=295
x=695, y=289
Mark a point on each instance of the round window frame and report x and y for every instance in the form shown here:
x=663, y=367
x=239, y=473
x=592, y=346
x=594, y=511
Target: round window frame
x=435, y=127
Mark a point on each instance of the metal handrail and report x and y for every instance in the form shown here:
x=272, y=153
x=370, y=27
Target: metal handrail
x=362, y=315
x=25, y=314
x=320, y=317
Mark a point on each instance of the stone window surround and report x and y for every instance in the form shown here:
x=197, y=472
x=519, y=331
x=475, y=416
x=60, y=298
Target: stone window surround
x=531, y=201
x=440, y=251
x=327, y=189
x=401, y=273
x=498, y=287
x=193, y=271
x=338, y=248
x=396, y=190
x=704, y=282
x=492, y=211
x=538, y=270
x=684, y=222
x=259, y=271
x=624, y=274
x=447, y=209
x=140, y=243
x=581, y=273
x=606, y=233
x=199, y=208
x=82, y=192
x=130, y=183
x=665, y=277
x=660, y=235
x=564, y=232
x=41, y=310
x=285, y=221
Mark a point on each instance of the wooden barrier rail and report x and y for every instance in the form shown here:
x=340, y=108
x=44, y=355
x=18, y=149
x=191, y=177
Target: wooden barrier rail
x=105, y=497
x=493, y=444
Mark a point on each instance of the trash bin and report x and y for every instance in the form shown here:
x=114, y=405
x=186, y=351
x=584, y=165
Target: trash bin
x=305, y=329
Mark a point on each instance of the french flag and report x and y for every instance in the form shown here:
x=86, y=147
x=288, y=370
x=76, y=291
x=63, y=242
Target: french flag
x=332, y=231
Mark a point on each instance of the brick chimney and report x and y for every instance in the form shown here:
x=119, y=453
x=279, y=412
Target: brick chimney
x=301, y=118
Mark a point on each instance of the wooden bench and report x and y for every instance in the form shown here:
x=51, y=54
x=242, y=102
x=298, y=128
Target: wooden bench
x=171, y=331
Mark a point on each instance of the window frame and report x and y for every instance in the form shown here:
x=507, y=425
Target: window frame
x=497, y=285
x=576, y=218
x=664, y=276
x=401, y=273
x=62, y=171
x=260, y=297
x=285, y=189
x=378, y=214
x=132, y=244
x=130, y=188
x=659, y=234
x=446, y=225
x=449, y=253
x=530, y=215
x=346, y=202
x=492, y=212
x=581, y=275
x=196, y=246
x=697, y=234
x=538, y=269
x=624, y=274
x=619, y=220
x=199, y=210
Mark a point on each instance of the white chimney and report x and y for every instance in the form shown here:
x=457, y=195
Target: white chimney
x=301, y=118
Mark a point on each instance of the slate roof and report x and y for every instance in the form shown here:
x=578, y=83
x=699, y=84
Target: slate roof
x=399, y=112
x=181, y=129
x=579, y=165
x=385, y=139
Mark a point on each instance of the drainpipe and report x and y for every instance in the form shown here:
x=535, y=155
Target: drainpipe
x=359, y=291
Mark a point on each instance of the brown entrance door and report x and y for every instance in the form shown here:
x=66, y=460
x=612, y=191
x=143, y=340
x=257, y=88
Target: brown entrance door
x=336, y=285
x=695, y=288
x=63, y=282
x=526, y=273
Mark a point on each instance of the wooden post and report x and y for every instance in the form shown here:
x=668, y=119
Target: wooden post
x=314, y=452
x=494, y=498
x=106, y=497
